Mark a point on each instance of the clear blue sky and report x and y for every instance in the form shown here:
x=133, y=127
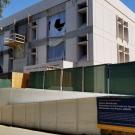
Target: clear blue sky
x=130, y=4
x=17, y=5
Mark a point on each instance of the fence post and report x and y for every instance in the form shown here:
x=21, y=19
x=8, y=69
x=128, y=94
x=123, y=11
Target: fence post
x=44, y=80
x=61, y=80
x=82, y=79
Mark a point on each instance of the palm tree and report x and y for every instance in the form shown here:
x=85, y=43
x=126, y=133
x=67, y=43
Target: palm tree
x=3, y=3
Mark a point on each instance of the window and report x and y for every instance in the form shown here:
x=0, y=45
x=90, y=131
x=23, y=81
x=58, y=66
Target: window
x=82, y=39
x=33, y=56
x=126, y=31
x=82, y=6
x=122, y=29
x=34, y=34
x=82, y=14
x=82, y=45
x=33, y=30
x=123, y=54
x=55, y=53
x=56, y=25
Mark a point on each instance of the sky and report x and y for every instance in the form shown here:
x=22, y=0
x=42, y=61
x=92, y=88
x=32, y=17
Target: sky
x=17, y=5
x=130, y=4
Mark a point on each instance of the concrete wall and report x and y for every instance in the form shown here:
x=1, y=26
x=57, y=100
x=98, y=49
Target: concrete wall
x=5, y=63
x=67, y=116
x=42, y=54
x=32, y=115
x=48, y=116
x=71, y=12
x=19, y=64
x=76, y=116
x=105, y=46
x=71, y=50
x=87, y=117
x=104, y=36
x=18, y=115
x=11, y=96
x=72, y=47
x=6, y=115
x=42, y=28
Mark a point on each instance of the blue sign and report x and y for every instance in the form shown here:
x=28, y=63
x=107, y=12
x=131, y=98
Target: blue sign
x=118, y=111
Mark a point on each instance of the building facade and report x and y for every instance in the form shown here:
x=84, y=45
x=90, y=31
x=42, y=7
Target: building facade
x=67, y=33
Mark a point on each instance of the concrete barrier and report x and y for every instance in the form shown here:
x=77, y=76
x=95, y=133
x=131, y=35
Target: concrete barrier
x=67, y=116
x=19, y=115
x=48, y=114
x=0, y=114
x=6, y=115
x=13, y=96
x=87, y=116
x=74, y=116
x=33, y=115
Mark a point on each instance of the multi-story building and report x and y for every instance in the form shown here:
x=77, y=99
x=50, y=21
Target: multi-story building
x=65, y=33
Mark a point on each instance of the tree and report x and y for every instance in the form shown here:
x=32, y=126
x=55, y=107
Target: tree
x=3, y=3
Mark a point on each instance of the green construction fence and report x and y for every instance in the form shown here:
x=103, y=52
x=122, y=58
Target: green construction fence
x=45, y=79
x=72, y=79
x=87, y=79
x=95, y=79
x=36, y=80
x=122, y=78
x=52, y=79
x=5, y=80
x=5, y=83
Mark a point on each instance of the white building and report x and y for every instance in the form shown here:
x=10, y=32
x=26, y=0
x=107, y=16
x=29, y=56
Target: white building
x=66, y=33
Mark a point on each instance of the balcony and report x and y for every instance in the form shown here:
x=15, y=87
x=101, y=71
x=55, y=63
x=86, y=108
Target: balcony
x=15, y=40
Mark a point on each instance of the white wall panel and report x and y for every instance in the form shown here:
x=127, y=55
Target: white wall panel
x=48, y=116
x=42, y=28
x=19, y=115
x=32, y=115
x=87, y=116
x=75, y=116
x=41, y=54
x=71, y=16
x=5, y=63
x=0, y=114
x=67, y=116
x=6, y=115
x=71, y=50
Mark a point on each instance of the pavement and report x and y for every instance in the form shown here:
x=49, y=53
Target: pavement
x=4, y=130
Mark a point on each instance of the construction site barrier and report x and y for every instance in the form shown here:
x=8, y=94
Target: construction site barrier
x=88, y=79
x=122, y=78
x=81, y=116
x=14, y=80
x=111, y=78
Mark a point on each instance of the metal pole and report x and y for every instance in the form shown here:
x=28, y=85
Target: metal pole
x=44, y=81
x=61, y=80
x=82, y=79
